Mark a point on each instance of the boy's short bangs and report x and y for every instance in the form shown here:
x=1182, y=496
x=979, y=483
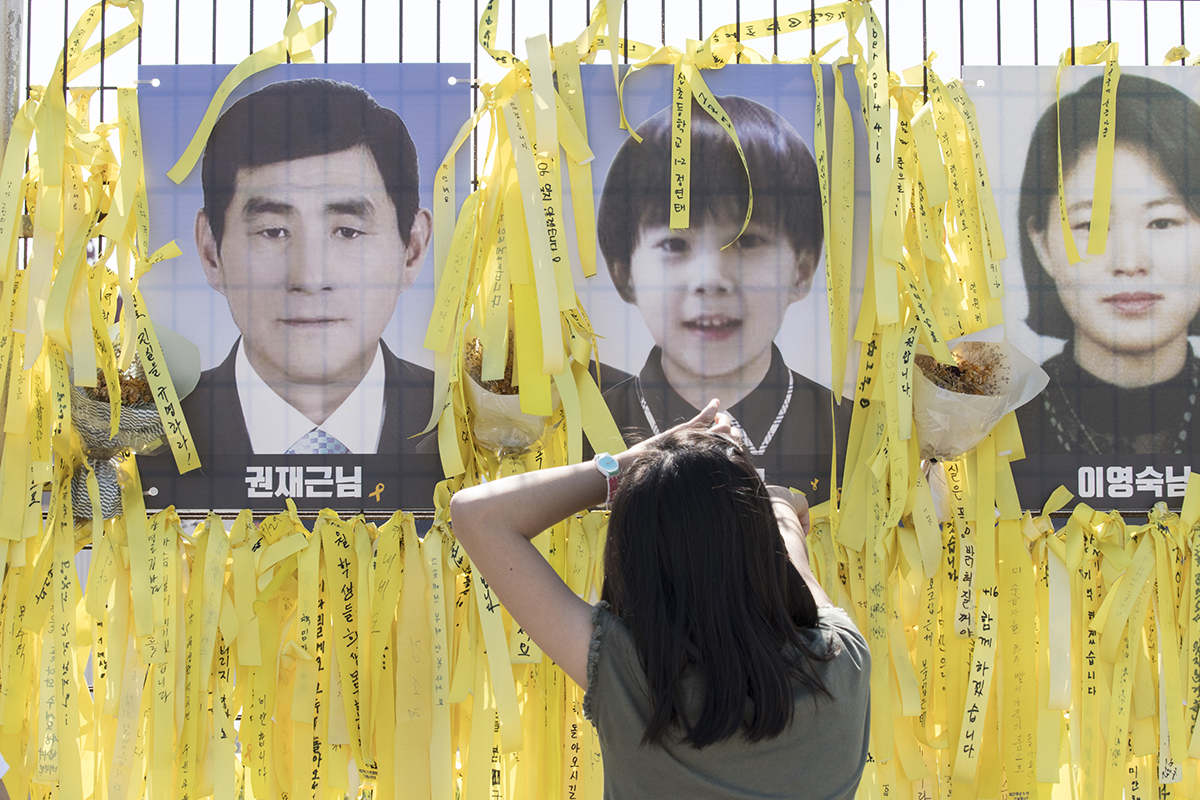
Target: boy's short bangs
x=637, y=192
x=719, y=190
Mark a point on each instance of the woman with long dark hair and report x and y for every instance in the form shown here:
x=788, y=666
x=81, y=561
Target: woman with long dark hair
x=1126, y=381
x=715, y=664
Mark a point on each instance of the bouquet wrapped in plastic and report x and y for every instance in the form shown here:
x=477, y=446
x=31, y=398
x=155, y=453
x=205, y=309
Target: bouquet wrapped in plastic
x=140, y=431
x=497, y=420
x=956, y=406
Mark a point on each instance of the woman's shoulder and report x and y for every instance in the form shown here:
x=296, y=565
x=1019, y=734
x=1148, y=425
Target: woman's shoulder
x=847, y=672
x=612, y=656
x=840, y=631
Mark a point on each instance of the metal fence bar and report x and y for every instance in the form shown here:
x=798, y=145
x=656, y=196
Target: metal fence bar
x=26, y=29
x=10, y=68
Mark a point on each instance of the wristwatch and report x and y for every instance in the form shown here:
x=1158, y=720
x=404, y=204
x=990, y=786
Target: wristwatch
x=608, y=467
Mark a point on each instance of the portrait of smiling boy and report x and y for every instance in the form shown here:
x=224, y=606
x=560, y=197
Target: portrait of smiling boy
x=714, y=302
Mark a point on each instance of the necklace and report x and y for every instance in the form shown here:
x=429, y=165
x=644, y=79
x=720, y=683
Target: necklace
x=746, y=440
x=1095, y=440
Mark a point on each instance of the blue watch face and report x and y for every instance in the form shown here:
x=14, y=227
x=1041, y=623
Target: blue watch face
x=607, y=464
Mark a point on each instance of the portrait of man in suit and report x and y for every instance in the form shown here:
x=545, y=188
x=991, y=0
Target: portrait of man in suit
x=311, y=229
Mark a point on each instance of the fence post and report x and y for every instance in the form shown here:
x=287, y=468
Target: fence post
x=11, y=15
x=10, y=82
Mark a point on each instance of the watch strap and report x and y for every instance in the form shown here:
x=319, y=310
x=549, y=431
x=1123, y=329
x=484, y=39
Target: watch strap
x=607, y=466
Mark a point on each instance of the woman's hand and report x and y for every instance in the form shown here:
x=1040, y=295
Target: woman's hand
x=710, y=419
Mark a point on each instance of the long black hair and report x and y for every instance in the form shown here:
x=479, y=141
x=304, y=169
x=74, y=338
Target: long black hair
x=696, y=567
x=1152, y=116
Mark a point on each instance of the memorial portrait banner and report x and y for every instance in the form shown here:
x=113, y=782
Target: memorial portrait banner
x=682, y=309
x=306, y=278
x=1115, y=331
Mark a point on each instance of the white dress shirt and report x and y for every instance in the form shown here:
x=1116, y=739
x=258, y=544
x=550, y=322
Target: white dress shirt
x=274, y=426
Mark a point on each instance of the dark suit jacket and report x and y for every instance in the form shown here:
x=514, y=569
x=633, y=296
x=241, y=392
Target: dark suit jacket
x=214, y=412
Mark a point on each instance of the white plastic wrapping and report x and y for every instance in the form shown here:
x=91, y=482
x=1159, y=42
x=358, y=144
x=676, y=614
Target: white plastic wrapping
x=939, y=490
x=949, y=424
x=498, y=422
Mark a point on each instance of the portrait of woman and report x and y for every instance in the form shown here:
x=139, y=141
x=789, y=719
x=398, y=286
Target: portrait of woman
x=1127, y=380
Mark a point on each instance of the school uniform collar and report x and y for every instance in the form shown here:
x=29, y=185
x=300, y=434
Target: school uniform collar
x=757, y=412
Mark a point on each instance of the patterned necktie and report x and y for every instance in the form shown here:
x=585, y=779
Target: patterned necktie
x=317, y=443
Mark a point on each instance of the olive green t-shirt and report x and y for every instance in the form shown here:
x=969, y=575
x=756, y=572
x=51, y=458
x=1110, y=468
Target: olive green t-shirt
x=819, y=757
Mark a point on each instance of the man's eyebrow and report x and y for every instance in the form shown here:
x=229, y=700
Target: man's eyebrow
x=359, y=207
x=1168, y=200
x=262, y=205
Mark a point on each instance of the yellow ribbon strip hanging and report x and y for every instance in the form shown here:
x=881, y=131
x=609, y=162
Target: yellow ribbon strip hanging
x=297, y=43
x=873, y=85
x=191, y=644
x=128, y=205
x=708, y=101
x=681, y=145
x=165, y=396
x=1099, y=53
x=839, y=235
x=548, y=122
x=12, y=190
x=566, y=59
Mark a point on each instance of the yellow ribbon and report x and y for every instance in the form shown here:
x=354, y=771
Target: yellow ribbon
x=297, y=43
x=1099, y=53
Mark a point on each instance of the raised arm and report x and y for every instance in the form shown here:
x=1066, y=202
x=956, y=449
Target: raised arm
x=495, y=523
x=791, y=511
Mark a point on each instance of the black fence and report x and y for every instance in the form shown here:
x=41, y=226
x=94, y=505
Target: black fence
x=959, y=31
